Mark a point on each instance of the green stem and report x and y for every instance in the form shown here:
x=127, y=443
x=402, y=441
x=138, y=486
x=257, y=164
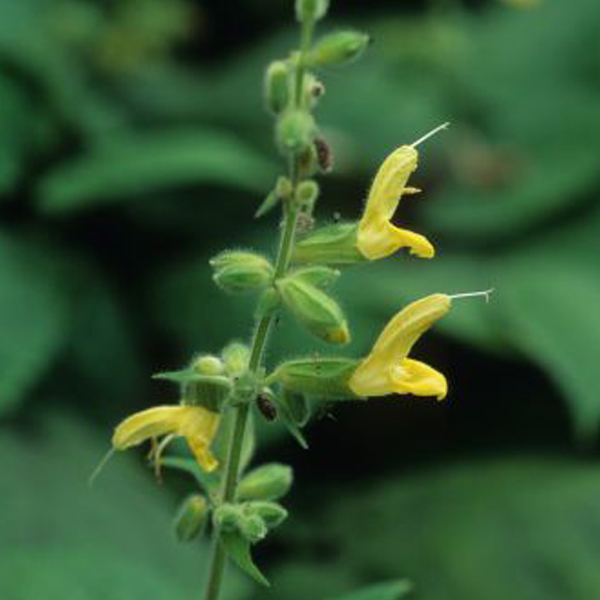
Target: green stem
x=306, y=33
x=259, y=342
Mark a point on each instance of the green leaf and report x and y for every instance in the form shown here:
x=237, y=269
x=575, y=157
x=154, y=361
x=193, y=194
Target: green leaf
x=77, y=543
x=519, y=527
x=33, y=316
x=142, y=164
x=238, y=549
x=553, y=309
x=383, y=591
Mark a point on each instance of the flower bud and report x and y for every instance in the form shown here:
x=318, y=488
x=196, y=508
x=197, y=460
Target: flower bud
x=284, y=187
x=317, y=275
x=326, y=378
x=268, y=482
x=208, y=364
x=252, y=527
x=338, y=48
x=335, y=244
x=238, y=271
x=236, y=356
x=227, y=517
x=271, y=513
x=295, y=131
x=311, y=10
x=277, y=88
x=307, y=192
x=191, y=518
x=319, y=313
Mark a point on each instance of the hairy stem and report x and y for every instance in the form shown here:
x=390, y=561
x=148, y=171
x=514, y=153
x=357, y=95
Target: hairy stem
x=259, y=342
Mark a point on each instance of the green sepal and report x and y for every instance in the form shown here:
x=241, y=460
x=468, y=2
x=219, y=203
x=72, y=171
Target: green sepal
x=240, y=271
x=311, y=10
x=317, y=275
x=288, y=421
x=295, y=131
x=298, y=406
x=191, y=518
x=334, y=244
x=277, y=86
x=325, y=378
x=314, y=309
x=210, y=391
x=268, y=204
x=267, y=482
x=236, y=356
x=338, y=48
x=238, y=549
x=271, y=513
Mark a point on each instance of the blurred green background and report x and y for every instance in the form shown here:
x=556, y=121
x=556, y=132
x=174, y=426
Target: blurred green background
x=134, y=146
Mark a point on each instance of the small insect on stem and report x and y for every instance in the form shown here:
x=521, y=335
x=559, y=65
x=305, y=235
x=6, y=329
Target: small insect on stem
x=324, y=154
x=266, y=407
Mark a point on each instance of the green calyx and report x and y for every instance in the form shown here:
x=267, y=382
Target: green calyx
x=277, y=87
x=317, y=311
x=295, y=131
x=338, y=48
x=191, y=518
x=236, y=356
x=237, y=271
x=334, y=244
x=311, y=10
x=267, y=482
x=325, y=378
x=203, y=383
x=251, y=520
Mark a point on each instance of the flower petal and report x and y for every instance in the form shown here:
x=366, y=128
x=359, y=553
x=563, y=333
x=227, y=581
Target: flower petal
x=402, y=332
x=378, y=238
x=415, y=377
x=152, y=422
x=390, y=182
x=373, y=376
x=199, y=428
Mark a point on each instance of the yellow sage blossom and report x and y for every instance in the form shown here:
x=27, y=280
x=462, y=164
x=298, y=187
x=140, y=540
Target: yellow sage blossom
x=196, y=424
x=377, y=236
x=388, y=370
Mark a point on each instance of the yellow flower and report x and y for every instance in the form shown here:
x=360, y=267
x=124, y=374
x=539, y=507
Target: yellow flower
x=377, y=236
x=388, y=370
x=196, y=424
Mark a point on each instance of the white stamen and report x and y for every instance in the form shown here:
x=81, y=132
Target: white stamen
x=100, y=466
x=485, y=293
x=428, y=135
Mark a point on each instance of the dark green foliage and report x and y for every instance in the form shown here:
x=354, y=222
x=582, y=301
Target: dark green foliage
x=133, y=148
